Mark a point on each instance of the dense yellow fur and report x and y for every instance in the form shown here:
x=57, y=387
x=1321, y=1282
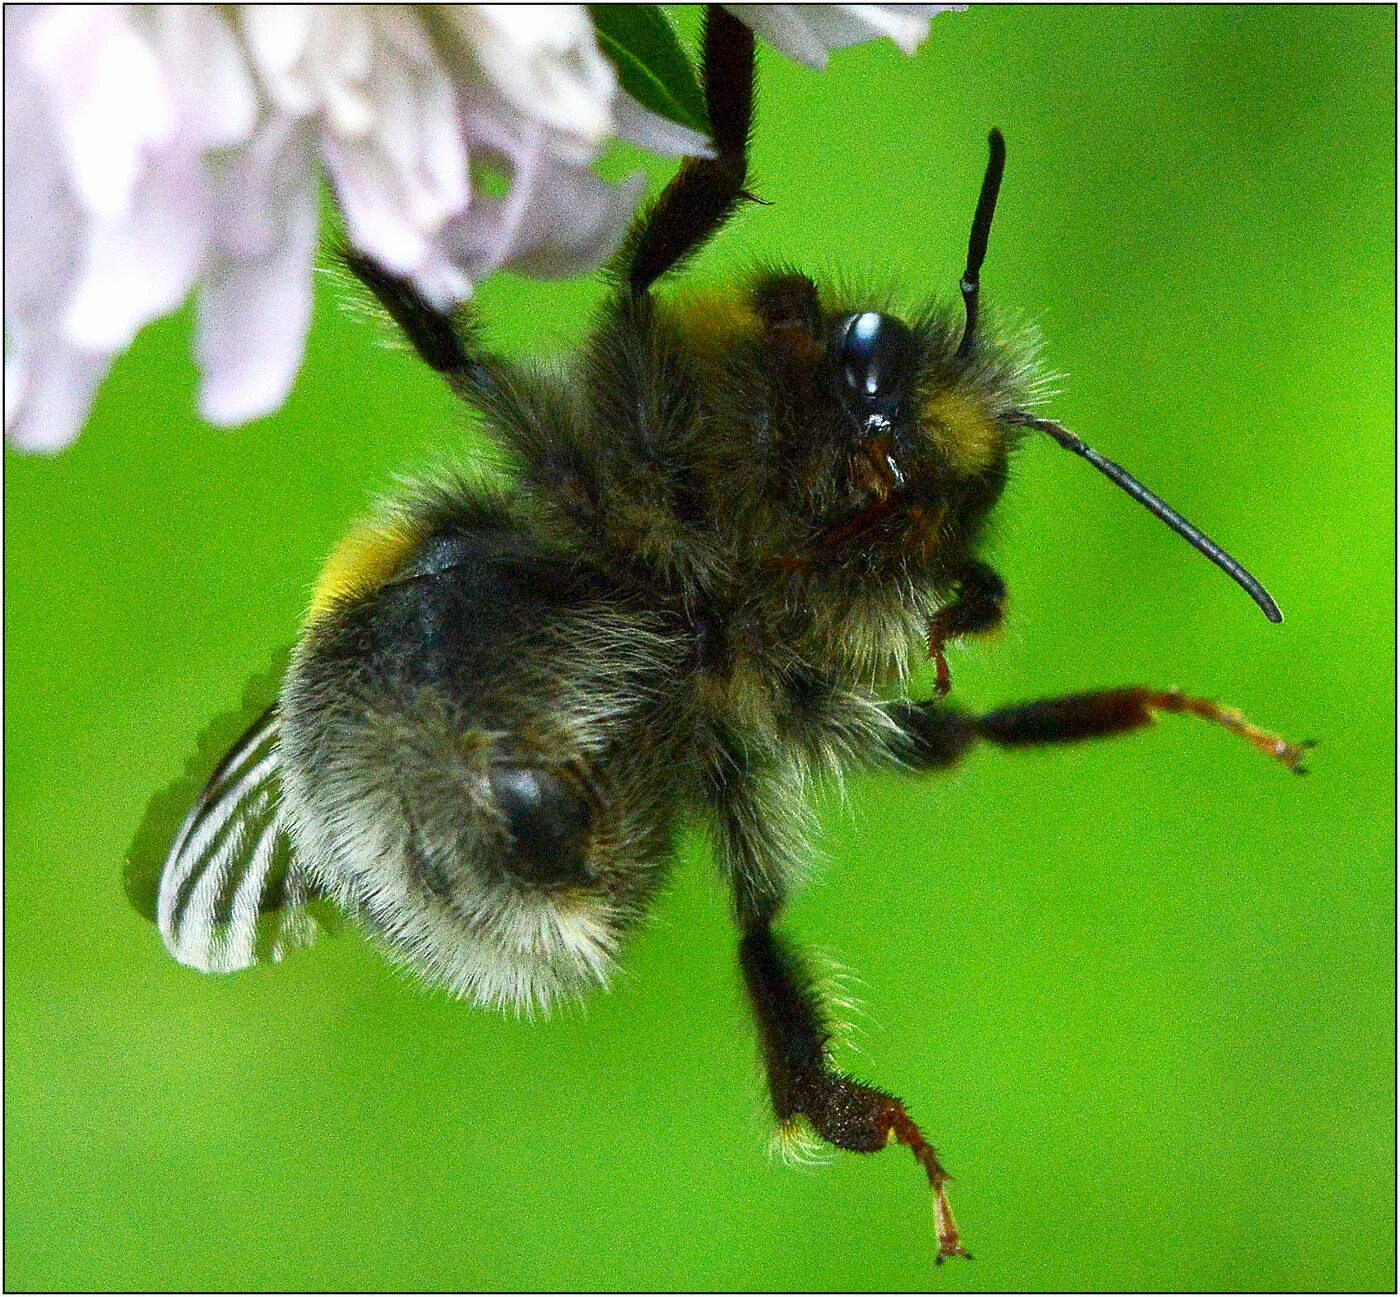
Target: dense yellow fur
x=364, y=558
x=965, y=428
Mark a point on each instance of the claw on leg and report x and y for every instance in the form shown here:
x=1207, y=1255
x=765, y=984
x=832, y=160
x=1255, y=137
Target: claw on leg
x=1272, y=745
x=903, y=1130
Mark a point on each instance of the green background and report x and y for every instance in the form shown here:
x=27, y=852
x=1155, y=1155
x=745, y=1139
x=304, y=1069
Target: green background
x=1140, y=993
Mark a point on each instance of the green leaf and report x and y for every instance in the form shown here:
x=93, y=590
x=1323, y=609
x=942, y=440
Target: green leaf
x=651, y=65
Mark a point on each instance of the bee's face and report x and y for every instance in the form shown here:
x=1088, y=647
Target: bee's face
x=871, y=436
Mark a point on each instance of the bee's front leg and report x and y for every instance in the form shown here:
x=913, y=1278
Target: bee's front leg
x=979, y=606
x=795, y=1035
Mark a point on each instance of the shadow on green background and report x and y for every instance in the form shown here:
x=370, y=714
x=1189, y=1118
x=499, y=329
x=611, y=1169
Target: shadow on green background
x=1140, y=993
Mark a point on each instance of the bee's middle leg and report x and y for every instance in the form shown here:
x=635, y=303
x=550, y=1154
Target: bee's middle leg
x=932, y=737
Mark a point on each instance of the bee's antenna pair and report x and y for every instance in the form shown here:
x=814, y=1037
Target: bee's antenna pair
x=1119, y=476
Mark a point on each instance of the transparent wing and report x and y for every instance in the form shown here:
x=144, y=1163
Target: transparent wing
x=225, y=890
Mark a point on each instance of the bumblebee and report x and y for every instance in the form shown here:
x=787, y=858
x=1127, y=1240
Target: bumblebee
x=696, y=579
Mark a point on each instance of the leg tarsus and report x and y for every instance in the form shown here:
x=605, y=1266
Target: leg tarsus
x=903, y=1129
x=933, y=737
x=1106, y=712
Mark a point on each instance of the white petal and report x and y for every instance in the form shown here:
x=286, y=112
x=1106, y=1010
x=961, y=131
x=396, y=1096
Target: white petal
x=556, y=221
x=57, y=382
x=277, y=37
x=905, y=25
x=110, y=98
x=43, y=220
x=784, y=28
x=651, y=131
x=807, y=31
x=141, y=265
x=217, y=106
x=372, y=204
x=254, y=303
x=544, y=60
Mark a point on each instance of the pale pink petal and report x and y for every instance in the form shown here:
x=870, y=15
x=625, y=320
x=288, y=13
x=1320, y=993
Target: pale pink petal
x=156, y=148
x=544, y=60
x=807, y=32
x=16, y=379
x=418, y=135
x=339, y=59
x=252, y=320
x=443, y=283
x=556, y=220
x=57, y=382
x=372, y=203
x=784, y=28
x=43, y=221
x=277, y=37
x=109, y=97
x=648, y=130
x=141, y=265
x=254, y=303
x=216, y=108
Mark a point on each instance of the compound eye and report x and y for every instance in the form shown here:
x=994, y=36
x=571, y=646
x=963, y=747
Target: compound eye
x=874, y=350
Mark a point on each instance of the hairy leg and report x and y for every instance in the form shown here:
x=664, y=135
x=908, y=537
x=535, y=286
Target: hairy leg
x=445, y=342
x=803, y=1084
x=705, y=191
x=934, y=736
x=978, y=607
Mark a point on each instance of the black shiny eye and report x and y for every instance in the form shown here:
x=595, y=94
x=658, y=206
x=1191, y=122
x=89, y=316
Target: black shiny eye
x=874, y=352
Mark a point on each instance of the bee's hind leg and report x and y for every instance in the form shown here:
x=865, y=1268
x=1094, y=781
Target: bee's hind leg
x=795, y=1033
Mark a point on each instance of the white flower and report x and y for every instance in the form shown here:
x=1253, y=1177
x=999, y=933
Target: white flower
x=157, y=151
x=806, y=32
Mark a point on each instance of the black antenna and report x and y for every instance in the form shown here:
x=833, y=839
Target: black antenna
x=981, y=230
x=1124, y=479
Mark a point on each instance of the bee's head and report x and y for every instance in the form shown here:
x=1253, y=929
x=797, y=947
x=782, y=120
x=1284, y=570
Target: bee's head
x=855, y=436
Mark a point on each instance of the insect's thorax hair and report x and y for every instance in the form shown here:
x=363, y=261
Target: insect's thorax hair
x=703, y=451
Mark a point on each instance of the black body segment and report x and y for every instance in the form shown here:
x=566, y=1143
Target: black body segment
x=467, y=766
